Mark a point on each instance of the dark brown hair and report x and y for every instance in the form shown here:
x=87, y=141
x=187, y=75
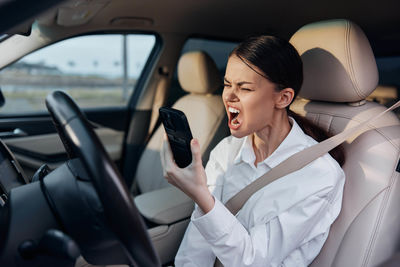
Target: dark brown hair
x=281, y=64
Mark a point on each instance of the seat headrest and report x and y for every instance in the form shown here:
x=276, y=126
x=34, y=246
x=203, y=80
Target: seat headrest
x=338, y=62
x=197, y=73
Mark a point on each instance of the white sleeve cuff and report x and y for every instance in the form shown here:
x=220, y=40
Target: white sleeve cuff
x=197, y=212
x=214, y=224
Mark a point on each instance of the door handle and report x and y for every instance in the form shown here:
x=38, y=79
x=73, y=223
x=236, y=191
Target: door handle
x=17, y=132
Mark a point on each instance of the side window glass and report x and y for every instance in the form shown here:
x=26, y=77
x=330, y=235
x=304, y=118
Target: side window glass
x=388, y=89
x=219, y=52
x=96, y=70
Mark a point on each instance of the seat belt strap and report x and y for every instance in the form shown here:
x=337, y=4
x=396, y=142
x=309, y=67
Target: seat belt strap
x=298, y=161
x=159, y=101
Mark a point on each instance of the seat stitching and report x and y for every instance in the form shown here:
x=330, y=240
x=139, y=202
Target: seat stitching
x=354, y=217
x=349, y=60
x=371, y=127
x=388, y=190
x=330, y=123
x=376, y=228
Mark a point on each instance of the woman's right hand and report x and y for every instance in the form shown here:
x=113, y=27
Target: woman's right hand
x=192, y=180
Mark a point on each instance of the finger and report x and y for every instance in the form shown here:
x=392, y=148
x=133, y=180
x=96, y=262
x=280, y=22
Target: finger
x=172, y=182
x=196, y=155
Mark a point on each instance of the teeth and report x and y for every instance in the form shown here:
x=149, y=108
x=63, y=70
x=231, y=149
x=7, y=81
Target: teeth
x=233, y=110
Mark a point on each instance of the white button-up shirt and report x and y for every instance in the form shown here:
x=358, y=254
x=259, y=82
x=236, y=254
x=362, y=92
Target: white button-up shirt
x=284, y=224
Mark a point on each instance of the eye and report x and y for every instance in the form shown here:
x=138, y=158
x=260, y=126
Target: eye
x=226, y=85
x=246, y=89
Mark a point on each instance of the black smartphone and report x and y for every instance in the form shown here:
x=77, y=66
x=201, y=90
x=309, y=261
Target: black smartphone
x=179, y=135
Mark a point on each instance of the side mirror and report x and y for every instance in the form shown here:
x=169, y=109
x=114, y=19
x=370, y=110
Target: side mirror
x=2, y=99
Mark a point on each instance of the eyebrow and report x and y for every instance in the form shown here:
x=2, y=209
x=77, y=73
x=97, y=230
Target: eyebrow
x=239, y=83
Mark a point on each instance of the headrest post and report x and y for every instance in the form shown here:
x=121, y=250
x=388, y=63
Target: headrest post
x=357, y=103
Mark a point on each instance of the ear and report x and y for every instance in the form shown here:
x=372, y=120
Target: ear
x=285, y=98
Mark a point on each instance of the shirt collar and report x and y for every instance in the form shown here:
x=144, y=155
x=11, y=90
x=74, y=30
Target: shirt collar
x=295, y=141
x=246, y=152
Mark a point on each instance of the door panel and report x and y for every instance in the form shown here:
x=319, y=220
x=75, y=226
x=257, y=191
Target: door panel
x=42, y=124
x=34, y=151
x=41, y=144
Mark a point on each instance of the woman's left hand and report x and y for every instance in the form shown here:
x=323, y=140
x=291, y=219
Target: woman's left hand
x=192, y=180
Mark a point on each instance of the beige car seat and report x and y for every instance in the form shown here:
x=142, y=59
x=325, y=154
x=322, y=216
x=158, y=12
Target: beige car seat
x=339, y=73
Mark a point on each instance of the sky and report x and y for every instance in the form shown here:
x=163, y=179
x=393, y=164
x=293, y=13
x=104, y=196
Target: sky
x=96, y=54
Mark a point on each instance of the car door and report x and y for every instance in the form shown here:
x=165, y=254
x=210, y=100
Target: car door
x=99, y=71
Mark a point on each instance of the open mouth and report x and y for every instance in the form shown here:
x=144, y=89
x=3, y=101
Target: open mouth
x=234, y=120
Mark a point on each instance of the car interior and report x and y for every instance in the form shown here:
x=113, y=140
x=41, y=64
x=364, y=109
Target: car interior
x=81, y=178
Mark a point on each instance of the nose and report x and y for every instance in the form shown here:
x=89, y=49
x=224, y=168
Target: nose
x=230, y=95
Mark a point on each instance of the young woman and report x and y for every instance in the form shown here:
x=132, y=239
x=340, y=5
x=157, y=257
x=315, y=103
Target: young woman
x=285, y=223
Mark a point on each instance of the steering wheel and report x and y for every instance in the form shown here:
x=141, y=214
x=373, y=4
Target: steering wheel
x=122, y=216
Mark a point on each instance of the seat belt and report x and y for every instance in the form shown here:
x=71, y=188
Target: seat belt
x=296, y=162
x=159, y=100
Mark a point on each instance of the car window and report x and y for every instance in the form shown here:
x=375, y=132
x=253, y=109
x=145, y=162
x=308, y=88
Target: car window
x=387, y=92
x=219, y=51
x=96, y=70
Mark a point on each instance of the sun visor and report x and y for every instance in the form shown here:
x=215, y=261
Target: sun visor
x=22, y=29
x=79, y=12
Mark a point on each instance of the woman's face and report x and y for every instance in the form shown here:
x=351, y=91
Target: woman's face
x=248, y=97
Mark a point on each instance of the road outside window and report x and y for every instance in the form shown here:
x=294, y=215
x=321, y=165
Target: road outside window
x=96, y=70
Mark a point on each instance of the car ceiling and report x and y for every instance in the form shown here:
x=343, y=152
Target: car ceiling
x=236, y=19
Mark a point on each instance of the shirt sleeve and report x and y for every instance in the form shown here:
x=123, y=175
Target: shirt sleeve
x=281, y=240
x=194, y=249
